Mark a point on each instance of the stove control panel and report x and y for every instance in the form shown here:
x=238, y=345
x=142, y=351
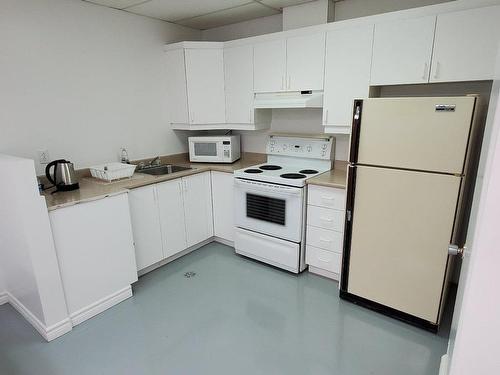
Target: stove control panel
x=303, y=147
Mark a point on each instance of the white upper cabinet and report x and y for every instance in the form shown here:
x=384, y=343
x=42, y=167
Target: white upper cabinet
x=402, y=51
x=465, y=45
x=195, y=84
x=205, y=85
x=145, y=226
x=347, y=75
x=238, y=75
x=305, y=62
x=292, y=64
x=197, y=193
x=270, y=66
x=172, y=220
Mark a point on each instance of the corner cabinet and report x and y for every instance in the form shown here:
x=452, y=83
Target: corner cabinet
x=465, y=45
x=195, y=84
x=292, y=64
x=222, y=197
x=170, y=217
x=402, y=51
x=347, y=75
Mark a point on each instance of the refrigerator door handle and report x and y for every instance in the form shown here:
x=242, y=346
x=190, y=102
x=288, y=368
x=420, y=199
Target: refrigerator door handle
x=356, y=123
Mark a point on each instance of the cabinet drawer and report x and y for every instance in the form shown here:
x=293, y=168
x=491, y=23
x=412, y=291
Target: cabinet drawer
x=324, y=259
x=325, y=218
x=326, y=197
x=324, y=239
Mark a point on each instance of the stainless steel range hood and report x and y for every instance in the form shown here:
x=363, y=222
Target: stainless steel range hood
x=295, y=99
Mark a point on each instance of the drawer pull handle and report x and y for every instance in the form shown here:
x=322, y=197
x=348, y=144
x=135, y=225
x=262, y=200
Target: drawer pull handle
x=323, y=260
x=325, y=239
x=326, y=219
x=327, y=198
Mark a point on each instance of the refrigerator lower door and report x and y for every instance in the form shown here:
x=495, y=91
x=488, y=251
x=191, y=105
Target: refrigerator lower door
x=428, y=134
x=402, y=222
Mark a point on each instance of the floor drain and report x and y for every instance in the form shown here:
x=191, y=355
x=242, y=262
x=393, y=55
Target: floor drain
x=189, y=274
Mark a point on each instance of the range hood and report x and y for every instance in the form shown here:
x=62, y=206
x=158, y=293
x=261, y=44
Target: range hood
x=295, y=99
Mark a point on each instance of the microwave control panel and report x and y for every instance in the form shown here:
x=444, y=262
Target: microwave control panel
x=303, y=147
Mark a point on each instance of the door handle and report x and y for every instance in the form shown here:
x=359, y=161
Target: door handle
x=289, y=82
x=455, y=250
x=424, y=75
x=325, y=121
x=326, y=219
x=436, y=71
x=283, y=82
x=325, y=240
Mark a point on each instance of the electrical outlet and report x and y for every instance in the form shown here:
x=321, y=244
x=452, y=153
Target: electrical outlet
x=43, y=156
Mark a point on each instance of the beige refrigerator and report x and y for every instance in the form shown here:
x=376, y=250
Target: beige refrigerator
x=408, y=199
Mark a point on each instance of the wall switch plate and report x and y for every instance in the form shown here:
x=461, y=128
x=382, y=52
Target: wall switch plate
x=43, y=156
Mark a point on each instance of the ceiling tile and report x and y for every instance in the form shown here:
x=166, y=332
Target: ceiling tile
x=282, y=3
x=118, y=4
x=225, y=17
x=170, y=10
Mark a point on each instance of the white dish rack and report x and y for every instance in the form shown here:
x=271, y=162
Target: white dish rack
x=112, y=171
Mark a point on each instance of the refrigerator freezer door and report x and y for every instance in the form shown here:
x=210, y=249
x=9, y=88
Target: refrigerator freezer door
x=401, y=227
x=428, y=134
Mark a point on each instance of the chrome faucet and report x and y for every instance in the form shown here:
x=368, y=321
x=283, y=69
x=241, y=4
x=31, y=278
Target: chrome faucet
x=154, y=161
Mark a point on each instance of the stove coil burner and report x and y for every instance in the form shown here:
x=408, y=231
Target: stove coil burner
x=270, y=167
x=294, y=176
x=253, y=170
x=308, y=171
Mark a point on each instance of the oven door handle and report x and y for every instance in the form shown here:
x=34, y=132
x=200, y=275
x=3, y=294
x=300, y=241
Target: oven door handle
x=264, y=187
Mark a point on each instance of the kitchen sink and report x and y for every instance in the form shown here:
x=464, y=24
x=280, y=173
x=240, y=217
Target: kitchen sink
x=159, y=170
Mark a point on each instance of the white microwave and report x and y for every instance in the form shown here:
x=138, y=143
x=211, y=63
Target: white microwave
x=214, y=149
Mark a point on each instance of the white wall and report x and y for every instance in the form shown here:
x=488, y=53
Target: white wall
x=82, y=80
x=302, y=121
x=258, y=26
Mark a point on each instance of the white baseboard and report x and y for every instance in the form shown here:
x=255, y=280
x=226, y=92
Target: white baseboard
x=4, y=298
x=223, y=241
x=48, y=333
x=99, y=306
x=324, y=273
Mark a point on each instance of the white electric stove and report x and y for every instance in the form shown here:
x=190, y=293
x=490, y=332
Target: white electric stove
x=270, y=199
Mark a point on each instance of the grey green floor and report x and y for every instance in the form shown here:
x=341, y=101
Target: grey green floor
x=236, y=316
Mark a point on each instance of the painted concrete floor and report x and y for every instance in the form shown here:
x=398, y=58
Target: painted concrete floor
x=235, y=316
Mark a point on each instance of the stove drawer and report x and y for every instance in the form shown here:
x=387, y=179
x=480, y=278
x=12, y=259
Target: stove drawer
x=324, y=239
x=326, y=197
x=324, y=259
x=325, y=218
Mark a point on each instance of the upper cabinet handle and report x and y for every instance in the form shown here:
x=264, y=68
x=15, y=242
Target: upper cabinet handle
x=436, y=71
x=289, y=82
x=425, y=76
x=283, y=82
x=325, y=120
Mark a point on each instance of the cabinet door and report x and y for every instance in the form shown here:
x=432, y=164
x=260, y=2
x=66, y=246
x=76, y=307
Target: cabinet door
x=175, y=73
x=146, y=226
x=222, y=195
x=347, y=74
x=305, y=62
x=198, y=207
x=205, y=86
x=238, y=73
x=402, y=51
x=269, y=66
x=465, y=45
x=172, y=221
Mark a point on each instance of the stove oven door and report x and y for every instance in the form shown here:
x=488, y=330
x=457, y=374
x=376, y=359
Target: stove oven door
x=271, y=209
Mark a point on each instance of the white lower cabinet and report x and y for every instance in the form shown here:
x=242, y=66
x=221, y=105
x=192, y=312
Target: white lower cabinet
x=146, y=226
x=325, y=230
x=170, y=216
x=223, y=207
x=95, y=252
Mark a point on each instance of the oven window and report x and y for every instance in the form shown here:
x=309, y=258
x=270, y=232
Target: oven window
x=266, y=208
x=205, y=149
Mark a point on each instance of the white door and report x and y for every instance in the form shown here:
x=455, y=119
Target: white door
x=171, y=208
x=347, y=73
x=305, y=62
x=198, y=207
x=223, y=207
x=238, y=73
x=465, y=45
x=413, y=133
x=402, y=224
x=175, y=73
x=146, y=226
x=205, y=85
x=269, y=66
x=402, y=51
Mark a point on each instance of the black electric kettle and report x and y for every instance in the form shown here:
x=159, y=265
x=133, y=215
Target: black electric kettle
x=64, y=176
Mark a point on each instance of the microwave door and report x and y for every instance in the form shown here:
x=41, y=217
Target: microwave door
x=205, y=151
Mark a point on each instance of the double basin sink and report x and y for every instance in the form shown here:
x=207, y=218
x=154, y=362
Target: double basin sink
x=159, y=170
